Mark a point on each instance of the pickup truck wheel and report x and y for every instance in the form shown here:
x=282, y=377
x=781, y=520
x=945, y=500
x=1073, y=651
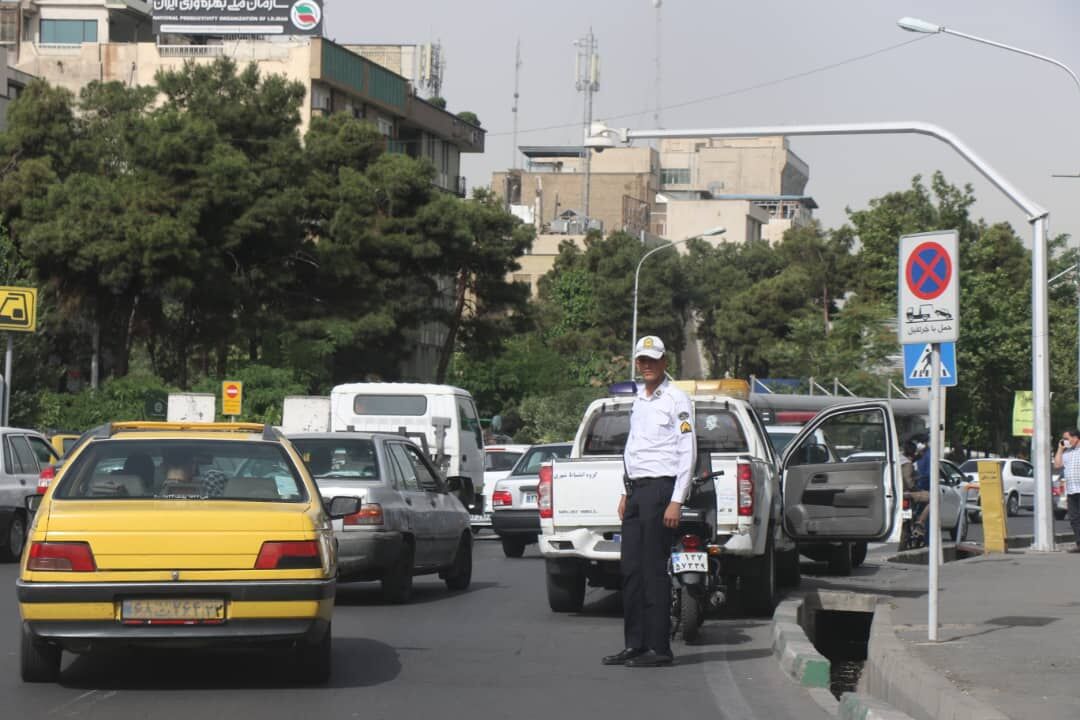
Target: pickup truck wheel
x=513, y=547
x=460, y=574
x=840, y=560
x=858, y=554
x=397, y=582
x=760, y=593
x=1012, y=506
x=39, y=662
x=788, y=572
x=566, y=593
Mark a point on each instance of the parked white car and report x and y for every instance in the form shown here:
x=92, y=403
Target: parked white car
x=1017, y=484
x=499, y=460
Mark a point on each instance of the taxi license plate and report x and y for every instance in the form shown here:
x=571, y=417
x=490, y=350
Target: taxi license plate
x=689, y=562
x=173, y=611
x=527, y=498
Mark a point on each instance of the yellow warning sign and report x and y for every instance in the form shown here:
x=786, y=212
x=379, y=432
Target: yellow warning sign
x=991, y=502
x=18, y=309
x=232, y=397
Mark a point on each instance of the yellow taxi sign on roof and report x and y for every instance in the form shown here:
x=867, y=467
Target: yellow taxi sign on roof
x=199, y=426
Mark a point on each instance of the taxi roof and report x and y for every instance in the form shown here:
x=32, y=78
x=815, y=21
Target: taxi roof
x=201, y=430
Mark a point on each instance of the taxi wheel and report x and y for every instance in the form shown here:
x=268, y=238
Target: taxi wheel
x=39, y=662
x=315, y=659
x=398, y=581
x=16, y=536
x=460, y=574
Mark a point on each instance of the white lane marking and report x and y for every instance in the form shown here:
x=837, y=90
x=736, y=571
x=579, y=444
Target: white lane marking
x=69, y=703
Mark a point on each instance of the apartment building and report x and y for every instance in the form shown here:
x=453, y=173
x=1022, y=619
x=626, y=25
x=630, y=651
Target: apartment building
x=12, y=82
x=70, y=43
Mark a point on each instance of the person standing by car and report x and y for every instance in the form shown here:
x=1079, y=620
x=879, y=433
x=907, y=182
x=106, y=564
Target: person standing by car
x=1068, y=458
x=658, y=462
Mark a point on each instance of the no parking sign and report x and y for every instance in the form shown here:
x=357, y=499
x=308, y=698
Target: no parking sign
x=929, y=297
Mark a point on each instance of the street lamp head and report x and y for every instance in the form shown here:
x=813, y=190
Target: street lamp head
x=920, y=26
x=713, y=232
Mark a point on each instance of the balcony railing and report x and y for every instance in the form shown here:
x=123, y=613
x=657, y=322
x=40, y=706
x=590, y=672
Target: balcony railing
x=59, y=48
x=191, y=50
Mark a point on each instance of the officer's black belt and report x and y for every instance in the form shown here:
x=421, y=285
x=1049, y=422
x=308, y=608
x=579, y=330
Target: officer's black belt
x=638, y=483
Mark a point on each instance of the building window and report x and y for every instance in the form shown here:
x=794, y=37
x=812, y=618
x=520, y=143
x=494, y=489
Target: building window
x=675, y=176
x=68, y=32
x=9, y=26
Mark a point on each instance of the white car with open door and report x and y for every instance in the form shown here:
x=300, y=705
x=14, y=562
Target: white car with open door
x=833, y=508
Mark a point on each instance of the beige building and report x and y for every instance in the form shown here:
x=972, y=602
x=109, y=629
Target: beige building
x=73, y=42
x=542, y=257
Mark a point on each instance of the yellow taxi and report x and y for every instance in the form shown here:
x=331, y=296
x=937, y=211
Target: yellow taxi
x=62, y=442
x=179, y=534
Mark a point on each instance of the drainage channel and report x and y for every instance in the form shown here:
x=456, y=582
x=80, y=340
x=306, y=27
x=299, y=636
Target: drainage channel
x=838, y=624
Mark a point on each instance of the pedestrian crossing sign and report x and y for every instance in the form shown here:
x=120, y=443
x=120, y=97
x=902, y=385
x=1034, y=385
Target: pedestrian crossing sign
x=917, y=365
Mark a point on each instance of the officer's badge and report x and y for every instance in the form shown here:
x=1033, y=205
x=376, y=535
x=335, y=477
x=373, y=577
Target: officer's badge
x=685, y=427
x=684, y=416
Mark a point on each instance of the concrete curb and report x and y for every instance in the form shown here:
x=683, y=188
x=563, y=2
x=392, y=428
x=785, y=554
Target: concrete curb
x=796, y=654
x=898, y=677
x=856, y=706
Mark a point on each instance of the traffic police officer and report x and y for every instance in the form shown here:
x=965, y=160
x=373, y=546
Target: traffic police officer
x=659, y=459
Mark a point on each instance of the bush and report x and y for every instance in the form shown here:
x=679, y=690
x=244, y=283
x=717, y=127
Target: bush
x=554, y=417
x=117, y=399
x=265, y=389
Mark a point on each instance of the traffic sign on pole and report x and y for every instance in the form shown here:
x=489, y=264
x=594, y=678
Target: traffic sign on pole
x=918, y=365
x=232, y=398
x=929, y=288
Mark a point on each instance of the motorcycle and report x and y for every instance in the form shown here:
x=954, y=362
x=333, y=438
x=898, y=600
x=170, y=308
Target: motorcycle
x=911, y=510
x=696, y=581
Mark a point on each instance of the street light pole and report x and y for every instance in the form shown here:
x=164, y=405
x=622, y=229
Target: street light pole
x=637, y=273
x=601, y=136
x=1043, y=516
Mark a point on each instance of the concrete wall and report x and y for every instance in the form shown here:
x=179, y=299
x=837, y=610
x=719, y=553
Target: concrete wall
x=687, y=218
x=542, y=258
x=751, y=166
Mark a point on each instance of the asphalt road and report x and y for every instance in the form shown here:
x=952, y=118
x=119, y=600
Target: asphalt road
x=494, y=651
x=1022, y=524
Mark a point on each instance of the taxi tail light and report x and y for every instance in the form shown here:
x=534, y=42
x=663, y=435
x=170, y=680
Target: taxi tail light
x=288, y=555
x=544, y=495
x=691, y=543
x=500, y=498
x=369, y=514
x=61, y=557
x=745, y=475
x=45, y=478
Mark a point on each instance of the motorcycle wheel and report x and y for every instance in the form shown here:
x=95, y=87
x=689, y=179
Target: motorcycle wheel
x=690, y=617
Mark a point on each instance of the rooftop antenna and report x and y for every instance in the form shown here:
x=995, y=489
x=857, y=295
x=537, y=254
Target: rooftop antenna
x=517, y=77
x=432, y=68
x=588, y=82
x=656, y=110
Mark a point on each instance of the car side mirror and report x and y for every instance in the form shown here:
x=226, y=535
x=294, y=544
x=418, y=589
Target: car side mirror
x=461, y=486
x=33, y=502
x=343, y=507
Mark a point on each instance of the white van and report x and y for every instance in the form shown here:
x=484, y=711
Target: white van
x=442, y=419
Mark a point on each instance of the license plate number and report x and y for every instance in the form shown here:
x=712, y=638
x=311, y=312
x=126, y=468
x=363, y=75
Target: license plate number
x=527, y=498
x=616, y=538
x=689, y=562
x=193, y=611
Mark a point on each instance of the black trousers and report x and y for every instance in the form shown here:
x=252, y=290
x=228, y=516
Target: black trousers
x=1073, y=505
x=646, y=585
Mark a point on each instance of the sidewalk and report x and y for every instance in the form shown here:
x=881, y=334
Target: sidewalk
x=1009, y=636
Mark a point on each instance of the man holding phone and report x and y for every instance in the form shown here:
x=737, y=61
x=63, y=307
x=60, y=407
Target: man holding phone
x=1068, y=457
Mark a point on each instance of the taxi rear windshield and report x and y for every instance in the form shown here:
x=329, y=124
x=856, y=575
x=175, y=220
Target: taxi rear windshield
x=717, y=428
x=183, y=470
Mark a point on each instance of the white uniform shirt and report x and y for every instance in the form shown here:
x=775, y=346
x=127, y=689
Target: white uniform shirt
x=661, y=441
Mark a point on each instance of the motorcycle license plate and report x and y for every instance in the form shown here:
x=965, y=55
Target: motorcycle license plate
x=689, y=562
x=906, y=514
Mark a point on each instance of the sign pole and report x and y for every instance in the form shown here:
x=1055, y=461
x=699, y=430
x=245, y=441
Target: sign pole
x=7, y=378
x=934, y=523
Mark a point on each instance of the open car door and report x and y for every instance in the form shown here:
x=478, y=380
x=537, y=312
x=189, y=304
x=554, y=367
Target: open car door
x=826, y=498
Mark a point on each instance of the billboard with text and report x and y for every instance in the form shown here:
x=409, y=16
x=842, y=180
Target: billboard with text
x=237, y=17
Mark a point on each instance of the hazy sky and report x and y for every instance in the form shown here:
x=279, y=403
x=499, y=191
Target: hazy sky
x=1021, y=115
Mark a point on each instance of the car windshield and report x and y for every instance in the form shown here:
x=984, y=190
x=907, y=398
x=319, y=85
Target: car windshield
x=781, y=438
x=607, y=432
x=500, y=460
x=183, y=470
x=537, y=456
x=339, y=457
x=718, y=430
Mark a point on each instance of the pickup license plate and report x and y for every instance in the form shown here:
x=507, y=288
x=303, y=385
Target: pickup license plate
x=906, y=513
x=173, y=611
x=689, y=562
x=528, y=498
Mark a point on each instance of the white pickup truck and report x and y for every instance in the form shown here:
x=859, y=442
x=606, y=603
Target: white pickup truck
x=759, y=508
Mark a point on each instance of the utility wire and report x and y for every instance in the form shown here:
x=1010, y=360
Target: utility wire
x=739, y=91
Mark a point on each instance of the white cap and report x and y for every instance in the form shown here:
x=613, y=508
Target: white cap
x=649, y=346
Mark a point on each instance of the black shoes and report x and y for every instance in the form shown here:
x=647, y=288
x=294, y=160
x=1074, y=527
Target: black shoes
x=621, y=657
x=649, y=658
